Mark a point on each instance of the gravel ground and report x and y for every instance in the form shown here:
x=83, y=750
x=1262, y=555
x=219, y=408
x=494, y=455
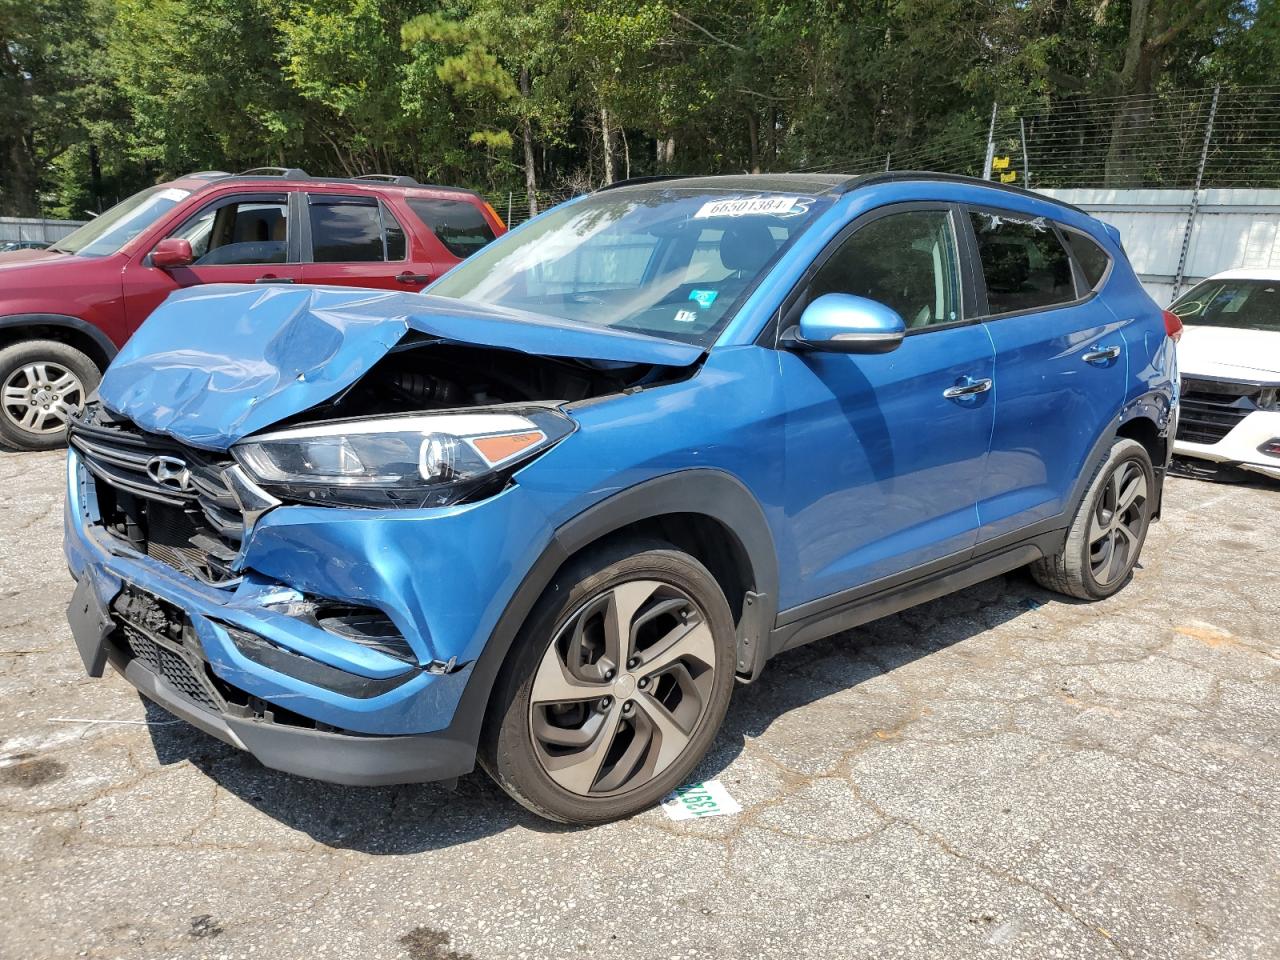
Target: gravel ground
x=1000, y=773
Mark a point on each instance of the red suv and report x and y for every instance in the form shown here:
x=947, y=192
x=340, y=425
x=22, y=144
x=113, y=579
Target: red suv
x=65, y=311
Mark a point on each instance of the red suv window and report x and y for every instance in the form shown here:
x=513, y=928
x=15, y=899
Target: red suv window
x=460, y=226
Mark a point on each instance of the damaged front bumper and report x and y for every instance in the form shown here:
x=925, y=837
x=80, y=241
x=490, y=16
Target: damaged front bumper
x=237, y=662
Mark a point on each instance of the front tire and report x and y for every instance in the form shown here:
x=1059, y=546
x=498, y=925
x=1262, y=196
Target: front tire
x=615, y=687
x=1109, y=529
x=41, y=383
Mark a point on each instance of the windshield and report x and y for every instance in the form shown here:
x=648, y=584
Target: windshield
x=108, y=232
x=664, y=261
x=1247, y=304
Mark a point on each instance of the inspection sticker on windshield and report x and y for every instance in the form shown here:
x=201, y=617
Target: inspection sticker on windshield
x=696, y=800
x=754, y=206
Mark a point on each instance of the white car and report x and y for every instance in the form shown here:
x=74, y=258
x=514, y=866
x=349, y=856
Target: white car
x=1229, y=357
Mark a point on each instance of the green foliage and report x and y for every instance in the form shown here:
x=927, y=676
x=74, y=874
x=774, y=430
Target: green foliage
x=98, y=97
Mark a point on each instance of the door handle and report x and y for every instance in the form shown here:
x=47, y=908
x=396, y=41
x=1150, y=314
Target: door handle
x=970, y=388
x=408, y=277
x=272, y=278
x=1101, y=355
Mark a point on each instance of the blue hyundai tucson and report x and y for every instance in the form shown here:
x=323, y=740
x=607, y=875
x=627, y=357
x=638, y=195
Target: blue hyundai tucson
x=548, y=514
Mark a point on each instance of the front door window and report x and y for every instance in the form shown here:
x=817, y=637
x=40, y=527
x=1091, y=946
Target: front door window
x=243, y=231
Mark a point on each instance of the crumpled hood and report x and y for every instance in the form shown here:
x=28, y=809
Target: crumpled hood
x=1229, y=352
x=219, y=362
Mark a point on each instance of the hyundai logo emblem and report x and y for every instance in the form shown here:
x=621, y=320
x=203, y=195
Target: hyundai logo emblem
x=169, y=472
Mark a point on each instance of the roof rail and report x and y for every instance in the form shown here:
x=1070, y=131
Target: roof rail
x=205, y=175
x=396, y=179
x=633, y=181
x=284, y=173
x=891, y=176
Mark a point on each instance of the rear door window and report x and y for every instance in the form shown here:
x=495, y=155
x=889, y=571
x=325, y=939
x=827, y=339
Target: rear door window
x=1024, y=263
x=458, y=225
x=353, y=230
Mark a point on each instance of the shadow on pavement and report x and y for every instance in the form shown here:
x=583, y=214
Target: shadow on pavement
x=418, y=817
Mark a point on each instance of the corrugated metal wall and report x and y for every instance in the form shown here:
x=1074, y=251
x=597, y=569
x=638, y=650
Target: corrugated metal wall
x=34, y=228
x=1231, y=228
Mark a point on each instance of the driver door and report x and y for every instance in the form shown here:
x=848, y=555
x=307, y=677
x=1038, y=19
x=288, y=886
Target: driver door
x=883, y=470
x=242, y=238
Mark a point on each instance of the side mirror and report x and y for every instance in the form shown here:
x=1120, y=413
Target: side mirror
x=843, y=323
x=172, y=252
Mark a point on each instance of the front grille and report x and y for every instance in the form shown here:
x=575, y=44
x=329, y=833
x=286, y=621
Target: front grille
x=193, y=522
x=1210, y=409
x=161, y=638
x=170, y=667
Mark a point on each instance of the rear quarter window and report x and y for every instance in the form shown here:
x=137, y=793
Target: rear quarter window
x=1092, y=258
x=458, y=225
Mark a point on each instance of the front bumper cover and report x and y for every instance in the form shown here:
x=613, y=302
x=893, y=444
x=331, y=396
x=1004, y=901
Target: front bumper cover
x=1239, y=448
x=406, y=730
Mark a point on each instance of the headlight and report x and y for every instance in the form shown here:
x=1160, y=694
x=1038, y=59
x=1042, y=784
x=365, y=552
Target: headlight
x=411, y=461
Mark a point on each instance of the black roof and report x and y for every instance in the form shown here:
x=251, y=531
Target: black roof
x=838, y=183
x=774, y=182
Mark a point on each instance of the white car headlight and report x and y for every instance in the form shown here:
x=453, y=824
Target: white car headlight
x=409, y=461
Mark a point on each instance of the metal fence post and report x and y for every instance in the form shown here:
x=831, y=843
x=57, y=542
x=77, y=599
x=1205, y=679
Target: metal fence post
x=510, y=196
x=991, y=143
x=1026, y=166
x=1195, y=196
x=887, y=157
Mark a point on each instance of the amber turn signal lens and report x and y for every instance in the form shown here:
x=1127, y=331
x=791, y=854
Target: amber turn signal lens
x=497, y=449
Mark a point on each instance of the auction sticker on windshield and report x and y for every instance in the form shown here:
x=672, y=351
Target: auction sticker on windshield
x=754, y=206
x=696, y=800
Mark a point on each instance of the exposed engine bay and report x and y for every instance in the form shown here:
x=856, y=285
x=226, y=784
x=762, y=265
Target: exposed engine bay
x=422, y=374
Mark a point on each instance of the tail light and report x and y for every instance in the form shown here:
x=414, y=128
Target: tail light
x=1172, y=326
x=494, y=213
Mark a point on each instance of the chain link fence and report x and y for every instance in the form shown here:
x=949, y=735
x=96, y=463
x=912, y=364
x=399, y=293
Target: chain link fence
x=514, y=208
x=1211, y=137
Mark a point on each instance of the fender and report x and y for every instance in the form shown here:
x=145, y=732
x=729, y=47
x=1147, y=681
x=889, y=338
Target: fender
x=713, y=493
x=1160, y=408
x=102, y=341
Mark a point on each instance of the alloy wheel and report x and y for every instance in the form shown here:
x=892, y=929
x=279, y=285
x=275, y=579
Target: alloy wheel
x=1118, y=523
x=622, y=688
x=40, y=397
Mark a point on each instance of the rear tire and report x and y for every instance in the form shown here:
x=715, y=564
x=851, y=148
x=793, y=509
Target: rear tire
x=1109, y=529
x=615, y=687
x=41, y=383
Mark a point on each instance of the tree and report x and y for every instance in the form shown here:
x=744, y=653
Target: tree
x=503, y=62
x=48, y=83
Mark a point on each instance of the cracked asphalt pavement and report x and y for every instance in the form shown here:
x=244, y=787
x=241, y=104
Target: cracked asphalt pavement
x=1001, y=773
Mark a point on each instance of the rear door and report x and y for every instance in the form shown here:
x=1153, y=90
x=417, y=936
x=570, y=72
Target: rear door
x=1060, y=367
x=235, y=238
x=357, y=241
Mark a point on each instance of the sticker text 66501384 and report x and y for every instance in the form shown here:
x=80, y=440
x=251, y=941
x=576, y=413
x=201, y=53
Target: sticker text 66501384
x=754, y=206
